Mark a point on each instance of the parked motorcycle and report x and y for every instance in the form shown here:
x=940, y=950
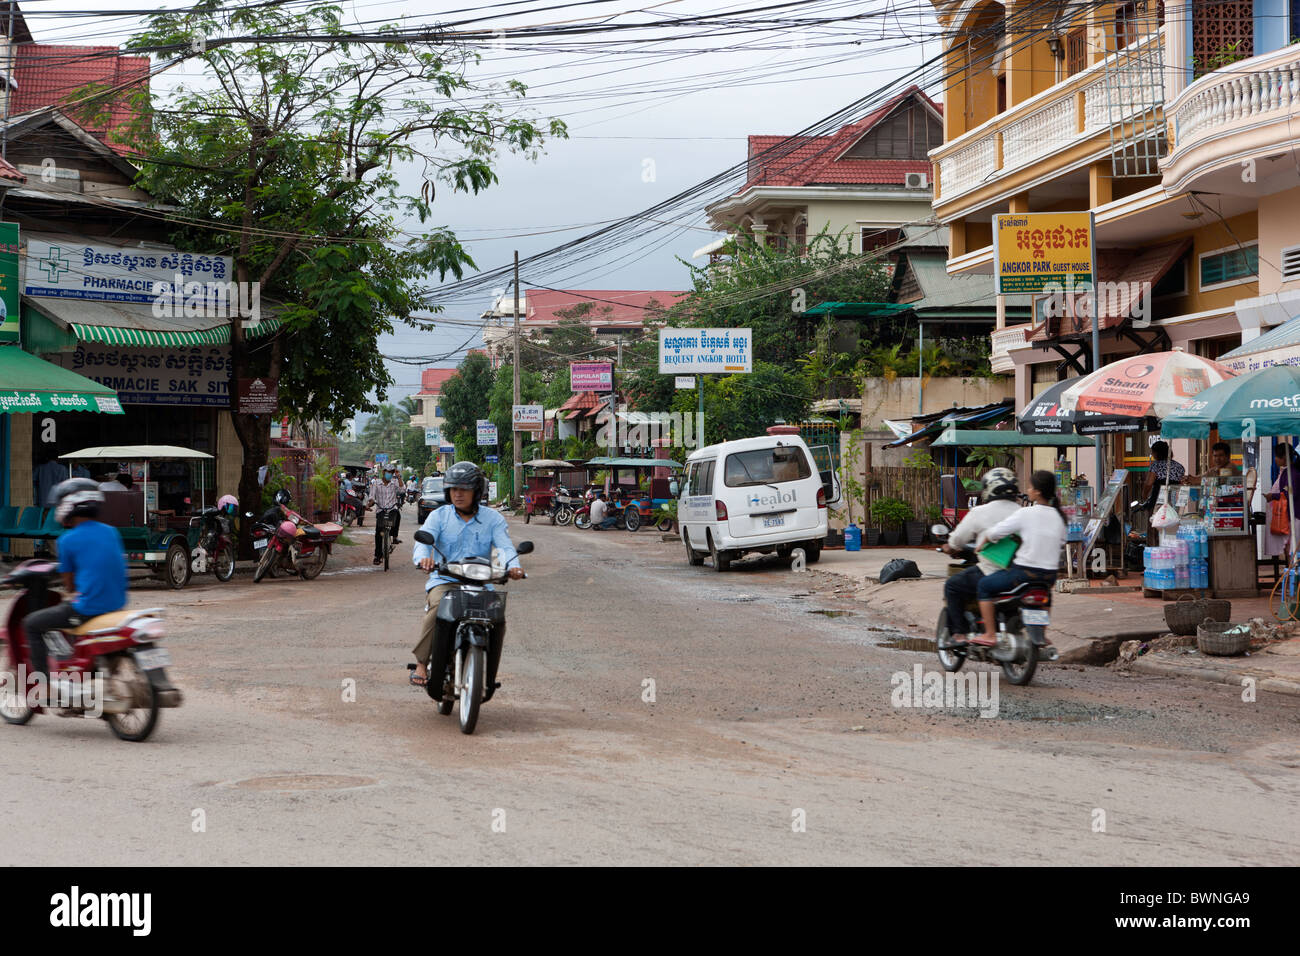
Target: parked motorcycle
x=215, y=549
x=113, y=664
x=624, y=517
x=289, y=542
x=478, y=616
x=352, y=508
x=1022, y=617
x=566, y=505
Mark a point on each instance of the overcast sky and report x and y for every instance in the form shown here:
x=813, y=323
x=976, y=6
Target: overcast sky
x=643, y=127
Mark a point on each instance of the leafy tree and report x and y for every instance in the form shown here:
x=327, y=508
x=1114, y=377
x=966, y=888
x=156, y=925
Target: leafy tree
x=284, y=159
x=761, y=286
x=465, y=399
x=385, y=431
x=742, y=406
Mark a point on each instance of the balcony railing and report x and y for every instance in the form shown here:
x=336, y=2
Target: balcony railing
x=1001, y=344
x=1070, y=112
x=1249, y=91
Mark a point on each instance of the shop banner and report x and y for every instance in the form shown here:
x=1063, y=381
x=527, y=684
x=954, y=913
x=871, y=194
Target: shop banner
x=9, y=282
x=71, y=270
x=591, y=377
x=528, y=418
x=487, y=432
x=691, y=351
x=432, y=435
x=258, y=396
x=186, y=376
x=1035, y=250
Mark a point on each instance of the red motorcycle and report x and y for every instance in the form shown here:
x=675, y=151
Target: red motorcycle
x=289, y=542
x=352, y=507
x=113, y=668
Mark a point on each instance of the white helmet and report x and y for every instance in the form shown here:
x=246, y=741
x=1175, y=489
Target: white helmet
x=999, y=483
x=75, y=498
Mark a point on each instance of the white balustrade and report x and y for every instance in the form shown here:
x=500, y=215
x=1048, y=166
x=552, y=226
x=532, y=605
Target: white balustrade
x=968, y=167
x=1002, y=341
x=1253, y=89
x=1041, y=132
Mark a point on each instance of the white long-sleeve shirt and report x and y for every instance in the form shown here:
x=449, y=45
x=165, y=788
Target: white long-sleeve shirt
x=1042, y=535
x=970, y=531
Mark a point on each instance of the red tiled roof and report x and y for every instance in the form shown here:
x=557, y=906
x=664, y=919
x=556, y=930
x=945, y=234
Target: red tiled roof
x=580, y=404
x=433, y=379
x=628, y=307
x=9, y=171
x=812, y=160
x=49, y=74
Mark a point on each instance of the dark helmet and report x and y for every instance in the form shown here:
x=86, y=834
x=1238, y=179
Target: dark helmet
x=465, y=474
x=282, y=497
x=75, y=498
x=999, y=483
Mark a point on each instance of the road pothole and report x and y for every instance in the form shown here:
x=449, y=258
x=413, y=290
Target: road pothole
x=910, y=644
x=827, y=612
x=296, y=782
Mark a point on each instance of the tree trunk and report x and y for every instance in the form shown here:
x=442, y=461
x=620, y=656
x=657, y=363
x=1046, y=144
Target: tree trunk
x=254, y=431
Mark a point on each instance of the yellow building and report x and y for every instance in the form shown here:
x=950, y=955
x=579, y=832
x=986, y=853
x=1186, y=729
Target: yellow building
x=1176, y=124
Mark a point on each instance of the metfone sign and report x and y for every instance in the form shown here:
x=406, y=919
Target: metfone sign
x=258, y=396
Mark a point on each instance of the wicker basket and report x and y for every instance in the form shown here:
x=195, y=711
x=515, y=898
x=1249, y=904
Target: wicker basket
x=1183, y=615
x=1221, y=639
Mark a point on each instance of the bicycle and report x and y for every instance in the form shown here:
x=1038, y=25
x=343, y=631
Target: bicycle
x=384, y=532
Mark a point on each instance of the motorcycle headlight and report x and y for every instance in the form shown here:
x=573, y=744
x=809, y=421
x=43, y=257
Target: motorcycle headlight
x=477, y=572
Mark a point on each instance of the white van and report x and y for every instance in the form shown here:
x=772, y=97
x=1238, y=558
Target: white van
x=756, y=494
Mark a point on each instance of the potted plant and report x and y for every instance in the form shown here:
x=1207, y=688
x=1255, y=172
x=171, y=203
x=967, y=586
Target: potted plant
x=933, y=515
x=323, y=484
x=892, y=515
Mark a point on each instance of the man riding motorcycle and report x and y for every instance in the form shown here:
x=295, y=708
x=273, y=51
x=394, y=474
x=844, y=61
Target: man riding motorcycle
x=998, y=500
x=468, y=529
x=93, y=566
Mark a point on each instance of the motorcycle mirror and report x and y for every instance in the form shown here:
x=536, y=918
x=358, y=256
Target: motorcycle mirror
x=424, y=537
x=524, y=547
x=939, y=530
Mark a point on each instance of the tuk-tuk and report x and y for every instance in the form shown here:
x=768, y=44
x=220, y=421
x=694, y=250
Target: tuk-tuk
x=539, y=489
x=158, y=542
x=639, y=506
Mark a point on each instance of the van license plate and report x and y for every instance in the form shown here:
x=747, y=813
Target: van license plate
x=773, y=522
x=153, y=658
x=259, y=543
x=1034, y=617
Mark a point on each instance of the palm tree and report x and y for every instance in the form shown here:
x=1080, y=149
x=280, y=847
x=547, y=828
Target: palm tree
x=385, y=429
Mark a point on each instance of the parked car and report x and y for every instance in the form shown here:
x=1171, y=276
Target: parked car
x=760, y=494
x=431, y=498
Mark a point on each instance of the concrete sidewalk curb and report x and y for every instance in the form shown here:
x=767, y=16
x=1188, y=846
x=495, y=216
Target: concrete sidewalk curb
x=1214, y=675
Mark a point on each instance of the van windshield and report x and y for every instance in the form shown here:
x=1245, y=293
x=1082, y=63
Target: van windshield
x=432, y=486
x=766, y=466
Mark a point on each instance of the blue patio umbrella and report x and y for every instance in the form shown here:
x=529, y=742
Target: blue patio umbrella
x=1266, y=402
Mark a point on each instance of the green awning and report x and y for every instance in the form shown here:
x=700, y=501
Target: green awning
x=146, y=338
x=992, y=438
x=858, y=309
x=33, y=385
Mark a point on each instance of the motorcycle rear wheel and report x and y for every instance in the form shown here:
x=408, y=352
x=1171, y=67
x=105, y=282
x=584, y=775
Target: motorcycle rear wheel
x=632, y=519
x=223, y=562
x=313, y=565
x=138, y=723
x=471, y=696
x=13, y=699
x=951, y=660
x=264, y=562
x=1022, y=672
x=582, y=522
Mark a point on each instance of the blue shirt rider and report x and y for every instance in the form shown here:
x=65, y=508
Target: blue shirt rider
x=465, y=530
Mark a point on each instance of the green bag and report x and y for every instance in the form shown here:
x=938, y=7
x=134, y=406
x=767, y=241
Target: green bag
x=1001, y=552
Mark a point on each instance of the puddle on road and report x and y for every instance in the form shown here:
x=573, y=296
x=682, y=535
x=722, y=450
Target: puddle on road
x=826, y=612
x=294, y=782
x=925, y=644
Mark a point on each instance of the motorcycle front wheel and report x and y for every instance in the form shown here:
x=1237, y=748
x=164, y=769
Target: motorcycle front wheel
x=13, y=697
x=564, y=516
x=582, y=522
x=264, y=562
x=471, y=695
x=128, y=680
x=223, y=562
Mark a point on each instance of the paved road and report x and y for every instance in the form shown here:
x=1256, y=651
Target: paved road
x=772, y=737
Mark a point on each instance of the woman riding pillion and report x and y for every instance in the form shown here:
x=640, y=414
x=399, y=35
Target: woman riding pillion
x=1042, y=529
x=998, y=501
x=465, y=530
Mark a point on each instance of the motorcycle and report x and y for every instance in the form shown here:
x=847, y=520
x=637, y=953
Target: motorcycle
x=289, y=542
x=477, y=615
x=113, y=668
x=1022, y=617
x=566, y=505
x=215, y=549
x=352, y=507
x=412, y=495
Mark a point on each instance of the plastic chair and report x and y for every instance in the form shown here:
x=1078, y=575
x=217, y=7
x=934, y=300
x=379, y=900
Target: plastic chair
x=51, y=528
x=8, y=518
x=28, y=523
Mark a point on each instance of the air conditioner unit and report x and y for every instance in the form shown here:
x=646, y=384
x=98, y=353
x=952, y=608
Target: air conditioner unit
x=918, y=181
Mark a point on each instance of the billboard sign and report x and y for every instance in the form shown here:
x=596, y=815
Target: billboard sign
x=487, y=432
x=692, y=351
x=528, y=418
x=591, y=376
x=1042, y=252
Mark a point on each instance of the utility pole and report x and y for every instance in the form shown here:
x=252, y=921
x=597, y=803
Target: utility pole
x=518, y=444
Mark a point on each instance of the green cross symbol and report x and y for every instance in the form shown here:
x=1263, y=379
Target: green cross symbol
x=54, y=264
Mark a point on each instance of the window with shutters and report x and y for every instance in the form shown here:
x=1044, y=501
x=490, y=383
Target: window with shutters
x=873, y=237
x=1076, y=51
x=1229, y=266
